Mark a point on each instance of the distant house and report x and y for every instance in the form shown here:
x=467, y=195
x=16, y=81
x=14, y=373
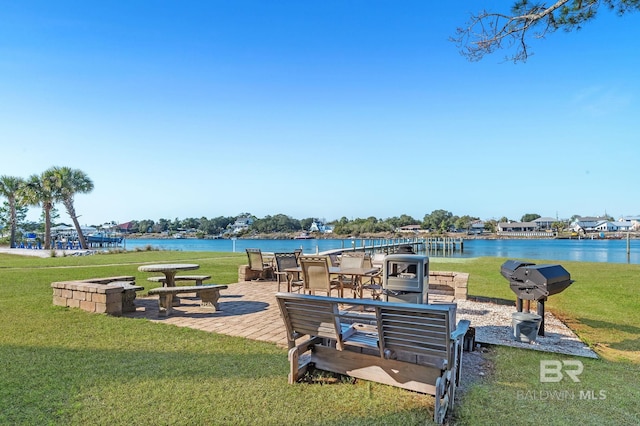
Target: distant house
x=585, y=224
x=409, y=228
x=632, y=219
x=318, y=226
x=477, y=227
x=241, y=224
x=525, y=229
x=517, y=226
x=126, y=227
x=605, y=226
x=545, y=223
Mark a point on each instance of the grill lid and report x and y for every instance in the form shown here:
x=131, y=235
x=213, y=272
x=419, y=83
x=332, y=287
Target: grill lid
x=541, y=274
x=509, y=267
x=535, y=282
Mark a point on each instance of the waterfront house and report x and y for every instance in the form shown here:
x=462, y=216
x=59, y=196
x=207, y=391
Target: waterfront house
x=545, y=223
x=319, y=226
x=606, y=226
x=517, y=227
x=241, y=224
x=477, y=227
x=409, y=228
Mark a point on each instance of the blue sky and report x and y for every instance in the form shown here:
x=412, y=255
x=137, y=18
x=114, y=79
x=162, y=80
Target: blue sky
x=315, y=109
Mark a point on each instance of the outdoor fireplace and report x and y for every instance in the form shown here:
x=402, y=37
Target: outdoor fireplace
x=535, y=282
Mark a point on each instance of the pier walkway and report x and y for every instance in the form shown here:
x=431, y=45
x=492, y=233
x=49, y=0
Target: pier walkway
x=431, y=245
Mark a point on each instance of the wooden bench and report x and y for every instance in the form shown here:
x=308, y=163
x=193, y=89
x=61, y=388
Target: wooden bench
x=198, y=279
x=209, y=295
x=414, y=347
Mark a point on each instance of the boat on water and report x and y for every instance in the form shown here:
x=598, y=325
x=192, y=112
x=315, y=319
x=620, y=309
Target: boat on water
x=101, y=238
x=304, y=236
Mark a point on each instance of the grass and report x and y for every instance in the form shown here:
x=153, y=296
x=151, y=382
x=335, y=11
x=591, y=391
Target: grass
x=601, y=306
x=67, y=366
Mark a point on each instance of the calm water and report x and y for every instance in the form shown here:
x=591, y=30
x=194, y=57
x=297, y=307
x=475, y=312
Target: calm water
x=586, y=250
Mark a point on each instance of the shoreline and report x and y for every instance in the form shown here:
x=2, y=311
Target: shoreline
x=390, y=236
x=43, y=253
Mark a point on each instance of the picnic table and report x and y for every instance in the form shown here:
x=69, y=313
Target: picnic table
x=169, y=270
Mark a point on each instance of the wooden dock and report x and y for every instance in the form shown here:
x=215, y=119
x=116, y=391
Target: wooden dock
x=443, y=245
x=431, y=246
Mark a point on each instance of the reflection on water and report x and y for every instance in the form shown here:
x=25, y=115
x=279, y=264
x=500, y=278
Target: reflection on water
x=584, y=250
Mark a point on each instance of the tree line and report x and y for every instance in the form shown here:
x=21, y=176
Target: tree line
x=60, y=184
x=438, y=221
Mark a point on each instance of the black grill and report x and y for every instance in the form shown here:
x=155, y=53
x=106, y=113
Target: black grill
x=535, y=282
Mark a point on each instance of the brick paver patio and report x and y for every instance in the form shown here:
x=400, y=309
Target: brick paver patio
x=249, y=309
x=246, y=309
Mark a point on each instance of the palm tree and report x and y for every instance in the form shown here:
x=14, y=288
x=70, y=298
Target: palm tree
x=10, y=188
x=39, y=191
x=68, y=182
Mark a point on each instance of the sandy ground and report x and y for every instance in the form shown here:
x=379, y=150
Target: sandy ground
x=43, y=253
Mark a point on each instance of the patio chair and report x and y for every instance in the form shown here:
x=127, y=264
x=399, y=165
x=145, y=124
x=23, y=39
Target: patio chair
x=378, y=260
x=350, y=260
x=315, y=272
x=257, y=264
x=373, y=282
x=283, y=262
x=298, y=253
x=333, y=259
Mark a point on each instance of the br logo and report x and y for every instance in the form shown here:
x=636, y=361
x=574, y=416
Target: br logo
x=553, y=370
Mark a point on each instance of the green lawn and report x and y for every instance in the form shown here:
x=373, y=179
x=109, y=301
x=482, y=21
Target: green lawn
x=67, y=366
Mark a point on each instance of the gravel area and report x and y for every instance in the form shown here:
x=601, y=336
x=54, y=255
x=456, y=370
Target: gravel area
x=493, y=325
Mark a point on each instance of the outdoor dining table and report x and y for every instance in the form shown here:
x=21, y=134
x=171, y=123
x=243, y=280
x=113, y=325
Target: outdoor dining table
x=356, y=273
x=169, y=270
